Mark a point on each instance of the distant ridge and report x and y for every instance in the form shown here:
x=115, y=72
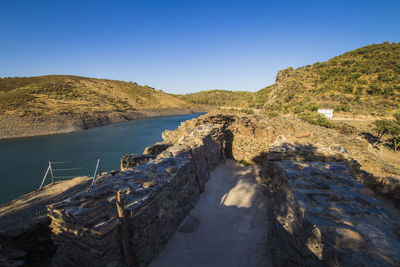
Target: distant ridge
x=57, y=94
x=362, y=81
x=63, y=103
x=365, y=80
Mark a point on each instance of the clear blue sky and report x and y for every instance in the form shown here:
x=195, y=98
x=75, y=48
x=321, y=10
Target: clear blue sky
x=186, y=46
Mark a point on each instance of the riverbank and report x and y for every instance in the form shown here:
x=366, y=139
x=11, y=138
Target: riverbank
x=13, y=126
x=25, y=160
x=318, y=209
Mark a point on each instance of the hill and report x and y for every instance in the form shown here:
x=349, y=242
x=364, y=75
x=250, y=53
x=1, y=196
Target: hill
x=228, y=98
x=62, y=94
x=365, y=80
x=61, y=103
x=218, y=97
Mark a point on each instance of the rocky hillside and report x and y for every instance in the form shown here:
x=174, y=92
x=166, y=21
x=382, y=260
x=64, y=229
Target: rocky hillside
x=61, y=94
x=365, y=80
x=315, y=179
x=218, y=98
x=61, y=103
x=362, y=81
x=228, y=98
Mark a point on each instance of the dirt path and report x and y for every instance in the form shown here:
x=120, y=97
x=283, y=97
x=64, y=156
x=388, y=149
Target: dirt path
x=228, y=225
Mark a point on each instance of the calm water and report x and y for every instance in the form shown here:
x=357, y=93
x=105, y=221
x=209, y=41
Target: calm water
x=23, y=161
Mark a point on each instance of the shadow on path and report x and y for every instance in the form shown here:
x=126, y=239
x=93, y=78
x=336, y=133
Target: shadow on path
x=227, y=227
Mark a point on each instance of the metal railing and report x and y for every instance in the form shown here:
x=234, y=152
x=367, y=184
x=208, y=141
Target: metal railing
x=50, y=170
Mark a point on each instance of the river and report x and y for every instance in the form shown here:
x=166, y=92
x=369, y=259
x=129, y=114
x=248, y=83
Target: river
x=23, y=161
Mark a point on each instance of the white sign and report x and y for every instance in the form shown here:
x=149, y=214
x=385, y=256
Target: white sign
x=326, y=112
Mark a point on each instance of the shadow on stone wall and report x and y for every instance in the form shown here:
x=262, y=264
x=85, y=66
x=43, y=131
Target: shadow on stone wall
x=24, y=231
x=321, y=215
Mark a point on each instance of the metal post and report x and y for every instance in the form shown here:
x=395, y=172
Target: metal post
x=99, y=168
x=95, y=171
x=44, y=178
x=51, y=173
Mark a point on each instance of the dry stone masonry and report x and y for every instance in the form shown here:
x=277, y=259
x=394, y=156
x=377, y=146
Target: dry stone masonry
x=157, y=194
x=321, y=215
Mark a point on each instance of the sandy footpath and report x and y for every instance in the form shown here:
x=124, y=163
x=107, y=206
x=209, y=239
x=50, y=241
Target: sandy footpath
x=228, y=225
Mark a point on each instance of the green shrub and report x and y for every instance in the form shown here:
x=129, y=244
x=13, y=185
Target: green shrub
x=389, y=127
x=359, y=91
x=317, y=119
x=346, y=129
x=374, y=89
x=344, y=106
x=247, y=111
x=388, y=91
x=301, y=107
x=397, y=116
x=348, y=88
x=272, y=114
x=362, y=81
x=289, y=97
x=357, y=99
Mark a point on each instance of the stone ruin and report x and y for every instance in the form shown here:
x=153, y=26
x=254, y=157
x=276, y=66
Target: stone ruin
x=320, y=213
x=322, y=216
x=156, y=194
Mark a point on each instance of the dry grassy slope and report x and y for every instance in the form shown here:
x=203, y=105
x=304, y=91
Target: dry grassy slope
x=219, y=98
x=31, y=106
x=362, y=81
x=60, y=94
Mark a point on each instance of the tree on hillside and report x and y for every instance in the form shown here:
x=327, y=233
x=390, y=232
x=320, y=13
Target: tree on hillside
x=389, y=127
x=381, y=128
x=394, y=132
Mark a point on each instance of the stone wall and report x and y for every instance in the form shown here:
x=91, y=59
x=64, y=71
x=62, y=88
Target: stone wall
x=156, y=194
x=246, y=138
x=385, y=185
x=133, y=160
x=321, y=215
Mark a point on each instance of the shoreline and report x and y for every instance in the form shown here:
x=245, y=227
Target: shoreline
x=14, y=127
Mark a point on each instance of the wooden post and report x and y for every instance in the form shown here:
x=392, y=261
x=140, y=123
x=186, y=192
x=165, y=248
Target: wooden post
x=51, y=173
x=125, y=236
x=44, y=178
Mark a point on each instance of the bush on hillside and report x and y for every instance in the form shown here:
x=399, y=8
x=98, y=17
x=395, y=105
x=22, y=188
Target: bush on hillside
x=247, y=111
x=272, y=114
x=374, y=89
x=346, y=129
x=344, y=106
x=317, y=119
x=390, y=128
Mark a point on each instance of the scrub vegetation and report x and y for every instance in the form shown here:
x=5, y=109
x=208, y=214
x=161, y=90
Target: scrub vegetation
x=62, y=94
x=362, y=81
